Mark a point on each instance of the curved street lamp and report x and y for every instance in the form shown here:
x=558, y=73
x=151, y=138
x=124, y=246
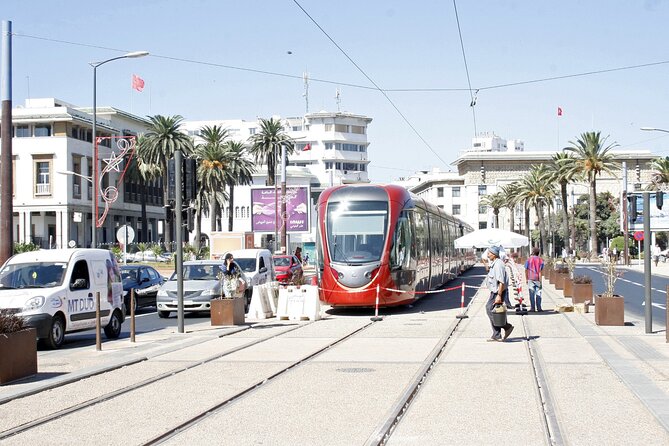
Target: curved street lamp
x=654, y=129
x=94, y=177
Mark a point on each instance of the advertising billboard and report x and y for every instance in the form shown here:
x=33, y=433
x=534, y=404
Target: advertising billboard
x=659, y=218
x=264, y=217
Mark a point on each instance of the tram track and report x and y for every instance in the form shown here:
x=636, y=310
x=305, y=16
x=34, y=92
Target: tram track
x=135, y=386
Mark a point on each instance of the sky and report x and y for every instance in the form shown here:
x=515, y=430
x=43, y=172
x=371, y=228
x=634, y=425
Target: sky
x=222, y=59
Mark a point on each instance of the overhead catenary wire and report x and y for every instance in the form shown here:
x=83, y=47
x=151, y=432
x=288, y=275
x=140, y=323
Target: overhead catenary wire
x=472, y=103
x=404, y=118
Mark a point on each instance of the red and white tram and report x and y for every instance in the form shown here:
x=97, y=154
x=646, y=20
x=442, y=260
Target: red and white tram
x=376, y=235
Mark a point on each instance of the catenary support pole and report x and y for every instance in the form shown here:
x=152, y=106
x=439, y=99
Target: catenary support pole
x=6, y=180
x=178, y=236
x=284, y=223
x=623, y=204
x=646, y=262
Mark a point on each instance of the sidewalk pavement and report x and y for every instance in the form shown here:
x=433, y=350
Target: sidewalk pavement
x=558, y=373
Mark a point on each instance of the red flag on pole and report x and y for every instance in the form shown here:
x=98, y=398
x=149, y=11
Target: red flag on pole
x=559, y=111
x=307, y=147
x=137, y=83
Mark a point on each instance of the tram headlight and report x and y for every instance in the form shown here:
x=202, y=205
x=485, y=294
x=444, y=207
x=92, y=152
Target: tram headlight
x=336, y=273
x=372, y=273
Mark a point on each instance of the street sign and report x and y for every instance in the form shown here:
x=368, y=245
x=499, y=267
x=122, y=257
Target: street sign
x=638, y=236
x=123, y=232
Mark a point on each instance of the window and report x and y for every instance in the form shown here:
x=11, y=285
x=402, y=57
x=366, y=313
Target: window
x=80, y=271
x=252, y=131
x=342, y=128
x=350, y=166
x=456, y=209
x=22, y=131
x=359, y=129
x=338, y=166
x=456, y=192
x=296, y=128
x=363, y=167
x=90, y=174
x=76, y=179
x=483, y=225
x=440, y=192
x=43, y=130
x=483, y=208
x=328, y=165
x=43, y=177
x=483, y=189
x=329, y=127
x=243, y=212
x=357, y=230
x=236, y=211
x=362, y=148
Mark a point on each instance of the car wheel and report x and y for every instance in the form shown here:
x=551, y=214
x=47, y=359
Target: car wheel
x=163, y=314
x=56, y=333
x=113, y=328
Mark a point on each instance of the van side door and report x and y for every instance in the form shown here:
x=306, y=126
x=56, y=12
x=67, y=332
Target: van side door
x=263, y=270
x=80, y=297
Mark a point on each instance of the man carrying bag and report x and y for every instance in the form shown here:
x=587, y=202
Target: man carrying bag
x=497, y=281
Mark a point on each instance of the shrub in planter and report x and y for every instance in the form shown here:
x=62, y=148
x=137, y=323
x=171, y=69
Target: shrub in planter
x=581, y=289
x=609, y=307
x=18, y=348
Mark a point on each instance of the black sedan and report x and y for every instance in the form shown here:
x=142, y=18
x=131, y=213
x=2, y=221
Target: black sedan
x=146, y=282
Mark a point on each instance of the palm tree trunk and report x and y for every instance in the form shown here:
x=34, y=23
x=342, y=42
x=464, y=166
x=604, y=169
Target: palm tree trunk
x=527, y=221
x=496, y=214
x=593, y=216
x=271, y=176
x=145, y=224
x=565, y=217
x=542, y=230
x=198, y=228
x=231, y=202
x=511, y=219
x=212, y=212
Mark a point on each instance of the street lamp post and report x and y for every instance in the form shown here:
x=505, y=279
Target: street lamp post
x=94, y=176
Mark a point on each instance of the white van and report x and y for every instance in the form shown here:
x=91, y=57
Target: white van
x=54, y=290
x=257, y=266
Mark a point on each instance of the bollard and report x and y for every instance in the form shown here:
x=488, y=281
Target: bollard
x=376, y=317
x=98, y=341
x=132, y=315
x=462, y=315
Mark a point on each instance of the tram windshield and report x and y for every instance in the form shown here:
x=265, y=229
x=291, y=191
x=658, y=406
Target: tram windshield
x=356, y=230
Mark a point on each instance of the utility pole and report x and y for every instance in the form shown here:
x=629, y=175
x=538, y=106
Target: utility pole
x=283, y=199
x=623, y=204
x=178, y=184
x=6, y=180
x=646, y=262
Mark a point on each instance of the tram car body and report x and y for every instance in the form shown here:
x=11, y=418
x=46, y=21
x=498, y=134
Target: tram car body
x=382, y=236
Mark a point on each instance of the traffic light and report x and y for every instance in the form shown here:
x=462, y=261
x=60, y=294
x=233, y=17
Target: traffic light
x=659, y=199
x=633, y=212
x=190, y=179
x=188, y=218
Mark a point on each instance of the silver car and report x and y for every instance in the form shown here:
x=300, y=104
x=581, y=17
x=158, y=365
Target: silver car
x=201, y=284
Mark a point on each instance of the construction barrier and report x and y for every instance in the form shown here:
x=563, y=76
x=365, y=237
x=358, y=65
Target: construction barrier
x=260, y=307
x=299, y=303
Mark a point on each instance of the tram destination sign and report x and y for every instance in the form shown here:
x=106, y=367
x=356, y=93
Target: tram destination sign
x=263, y=209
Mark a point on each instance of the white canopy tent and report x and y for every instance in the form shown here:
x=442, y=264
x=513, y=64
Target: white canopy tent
x=484, y=238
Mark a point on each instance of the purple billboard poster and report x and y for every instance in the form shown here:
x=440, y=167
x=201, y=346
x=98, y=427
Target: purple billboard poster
x=264, y=215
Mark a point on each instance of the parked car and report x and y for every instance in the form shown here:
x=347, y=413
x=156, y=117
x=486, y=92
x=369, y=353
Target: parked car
x=148, y=256
x=288, y=269
x=146, y=282
x=201, y=284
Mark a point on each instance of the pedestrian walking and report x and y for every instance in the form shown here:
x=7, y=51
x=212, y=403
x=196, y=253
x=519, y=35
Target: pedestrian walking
x=298, y=254
x=656, y=253
x=497, y=281
x=533, y=271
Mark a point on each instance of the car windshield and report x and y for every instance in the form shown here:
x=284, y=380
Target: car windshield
x=129, y=274
x=32, y=275
x=247, y=265
x=199, y=272
x=281, y=261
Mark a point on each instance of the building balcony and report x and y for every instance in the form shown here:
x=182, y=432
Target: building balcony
x=43, y=189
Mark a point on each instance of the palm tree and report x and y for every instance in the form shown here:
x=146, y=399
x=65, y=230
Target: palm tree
x=266, y=146
x=140, y=173
x=660, y=174
x=163, y=138
x=563, y=172
x=496, y=201
x=213, y=160
x=536, y=188
x=511, y=200
x=592, y=158
x=239, y=171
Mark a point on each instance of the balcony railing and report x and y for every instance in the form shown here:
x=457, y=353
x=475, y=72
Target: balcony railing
x=76, y=189
x=42, y=189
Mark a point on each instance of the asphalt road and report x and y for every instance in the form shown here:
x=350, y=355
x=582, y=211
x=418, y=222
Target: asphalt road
x=630, y=285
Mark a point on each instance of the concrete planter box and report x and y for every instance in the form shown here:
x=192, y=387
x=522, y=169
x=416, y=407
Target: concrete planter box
x=581, y=292
x=609, y=310
x=559, y=280
x=551, y=276
x=567, y=291
x=227, y=311
x=18, y=355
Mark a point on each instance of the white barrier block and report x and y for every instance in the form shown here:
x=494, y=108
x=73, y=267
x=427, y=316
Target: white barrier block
x=291, y=303
x=312, y=304
x=259, y=307
x=272, y=289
